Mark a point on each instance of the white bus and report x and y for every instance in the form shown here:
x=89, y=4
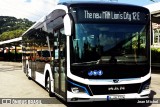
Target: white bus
x=91, y=51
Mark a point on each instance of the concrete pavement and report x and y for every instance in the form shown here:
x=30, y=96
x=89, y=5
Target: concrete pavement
x=14, y=84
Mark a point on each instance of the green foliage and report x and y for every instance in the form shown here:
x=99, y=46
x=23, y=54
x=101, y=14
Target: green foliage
x=11, y=27
x=11, y=34
x=155, y=55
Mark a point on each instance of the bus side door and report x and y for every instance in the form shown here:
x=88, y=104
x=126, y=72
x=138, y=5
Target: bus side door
x=60, y=62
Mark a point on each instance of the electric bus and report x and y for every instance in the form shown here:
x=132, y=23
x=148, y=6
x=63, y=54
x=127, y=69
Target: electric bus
x=90, y=51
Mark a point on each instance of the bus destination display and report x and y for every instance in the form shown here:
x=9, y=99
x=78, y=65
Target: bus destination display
x=110, y=16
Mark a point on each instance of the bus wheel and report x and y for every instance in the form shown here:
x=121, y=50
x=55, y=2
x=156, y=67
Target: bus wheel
x=48, y=86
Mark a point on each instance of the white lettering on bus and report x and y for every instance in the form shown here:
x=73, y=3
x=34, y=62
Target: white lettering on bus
x=130, y=16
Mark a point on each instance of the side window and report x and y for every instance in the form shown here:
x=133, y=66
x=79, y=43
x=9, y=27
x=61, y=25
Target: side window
x=56, y=45
x=62, y=43
x=59, y=43
x=55, y=20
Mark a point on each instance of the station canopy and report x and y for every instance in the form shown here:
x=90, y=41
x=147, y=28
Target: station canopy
x=11, y=41
x=155, y=12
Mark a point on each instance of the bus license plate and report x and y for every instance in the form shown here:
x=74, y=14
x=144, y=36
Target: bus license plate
x=116, y=97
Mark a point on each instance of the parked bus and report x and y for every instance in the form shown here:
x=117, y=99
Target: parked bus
x=95, y=51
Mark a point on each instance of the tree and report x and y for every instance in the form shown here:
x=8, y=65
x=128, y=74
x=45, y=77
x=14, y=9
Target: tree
x=11, y=27
x=11, y=34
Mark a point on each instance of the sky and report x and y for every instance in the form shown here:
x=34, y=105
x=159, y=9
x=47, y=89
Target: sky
x=35, y=9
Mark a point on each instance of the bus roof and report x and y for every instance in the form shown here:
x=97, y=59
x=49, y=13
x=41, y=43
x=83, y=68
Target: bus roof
x=97, y=3
x=88, y=4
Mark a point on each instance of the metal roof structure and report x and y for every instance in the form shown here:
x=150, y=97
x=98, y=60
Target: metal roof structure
x=11, y=41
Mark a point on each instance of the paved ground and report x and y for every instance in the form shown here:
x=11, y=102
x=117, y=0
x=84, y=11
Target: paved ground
x=14, y=84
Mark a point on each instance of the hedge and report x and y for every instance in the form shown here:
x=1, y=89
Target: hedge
x=155, y=55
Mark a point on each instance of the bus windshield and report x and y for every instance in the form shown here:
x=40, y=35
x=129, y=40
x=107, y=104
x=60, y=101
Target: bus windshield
x=117, y=43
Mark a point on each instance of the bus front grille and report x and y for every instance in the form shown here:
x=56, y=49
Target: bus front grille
x=115, y=89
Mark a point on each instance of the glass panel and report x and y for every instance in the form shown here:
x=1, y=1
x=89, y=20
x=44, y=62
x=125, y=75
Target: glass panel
x=56, y=61
x=109, y=42
x=62, y=62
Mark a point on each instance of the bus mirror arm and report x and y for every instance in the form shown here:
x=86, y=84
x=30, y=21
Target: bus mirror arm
x=67, y=25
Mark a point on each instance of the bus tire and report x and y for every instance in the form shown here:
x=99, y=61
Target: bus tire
x=48, y=86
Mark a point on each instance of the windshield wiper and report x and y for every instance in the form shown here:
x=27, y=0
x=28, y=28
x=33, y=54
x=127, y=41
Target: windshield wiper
x=84, y=63
x=106, y=59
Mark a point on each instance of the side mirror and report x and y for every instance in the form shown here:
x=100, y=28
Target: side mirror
x=67, y=25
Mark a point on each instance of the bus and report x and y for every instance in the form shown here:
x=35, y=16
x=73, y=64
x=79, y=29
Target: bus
x=95, y=51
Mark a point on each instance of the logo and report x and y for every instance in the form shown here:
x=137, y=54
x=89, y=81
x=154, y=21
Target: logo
x=6, y=101
x=116, y=88
x=116, y=80
x=95, y=73
x=90, y=73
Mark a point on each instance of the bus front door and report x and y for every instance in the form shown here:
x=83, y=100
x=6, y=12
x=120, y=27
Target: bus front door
x=60, y=63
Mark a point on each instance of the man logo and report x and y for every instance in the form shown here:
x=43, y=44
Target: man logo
x=116, y=80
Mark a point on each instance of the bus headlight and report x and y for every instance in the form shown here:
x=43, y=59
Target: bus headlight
x=146, y=86
x=77, y=88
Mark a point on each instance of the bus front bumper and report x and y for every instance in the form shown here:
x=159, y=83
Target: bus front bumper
x=84, y=97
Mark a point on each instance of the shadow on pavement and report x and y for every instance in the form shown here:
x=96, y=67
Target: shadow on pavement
x=109, y=104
